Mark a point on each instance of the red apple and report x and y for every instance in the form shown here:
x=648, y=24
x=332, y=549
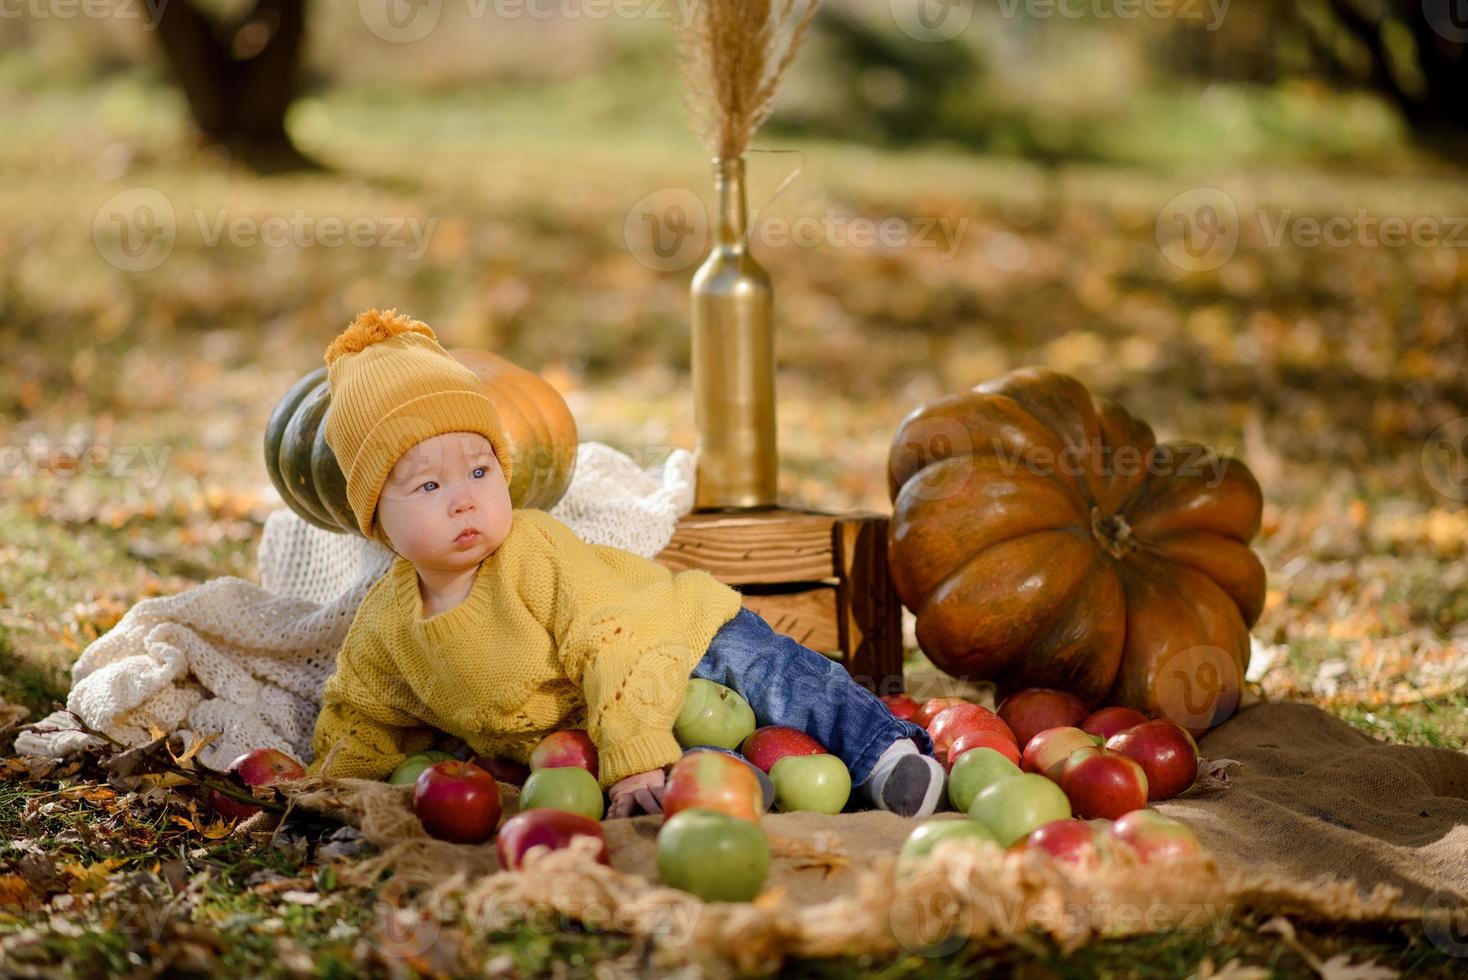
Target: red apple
x=1070, y=841
x=230, y=808
x=768, y=745
x=961, y=719
x=1155, y=837
x=505, y=770
x=931, y=707
x=266, y=767
x=1031, y=711
x=259, y=767
x=543, y=826
x=572, y=747
x=1166, y=753
x=1047, y=751
x=1108, y=721
x=981, y=739
x=901, y=706
x=713, y=781
x=457, y=801
x=1102, y=783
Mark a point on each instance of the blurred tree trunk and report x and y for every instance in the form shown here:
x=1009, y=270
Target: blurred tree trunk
x=239, y=77
x=1426, y=79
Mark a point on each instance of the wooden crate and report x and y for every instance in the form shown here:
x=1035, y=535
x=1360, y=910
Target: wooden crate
x=819, y=578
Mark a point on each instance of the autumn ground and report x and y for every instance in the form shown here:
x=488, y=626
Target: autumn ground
x=134, y=403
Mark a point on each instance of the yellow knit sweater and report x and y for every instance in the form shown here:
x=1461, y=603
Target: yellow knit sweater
x=556, y=633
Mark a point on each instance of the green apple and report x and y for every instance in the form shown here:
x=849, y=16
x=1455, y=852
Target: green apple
x=820, y=783
x=974, y=770
x=920, y=842
x=406, y=774
x=713, y=714
x=568, y=788
x=718, y=857
x=1013, y=807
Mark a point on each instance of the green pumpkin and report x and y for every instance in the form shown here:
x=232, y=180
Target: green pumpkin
x=537, y=424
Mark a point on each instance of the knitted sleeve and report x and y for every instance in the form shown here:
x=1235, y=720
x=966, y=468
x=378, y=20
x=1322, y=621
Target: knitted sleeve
x=633, y=694
x=625, y=646
x=370, y=733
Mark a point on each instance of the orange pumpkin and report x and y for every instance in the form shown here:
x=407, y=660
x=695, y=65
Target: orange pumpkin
x=537, y=422
x=1043, y=538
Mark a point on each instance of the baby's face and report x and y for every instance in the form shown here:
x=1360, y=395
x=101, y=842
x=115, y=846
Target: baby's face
x=440, y=488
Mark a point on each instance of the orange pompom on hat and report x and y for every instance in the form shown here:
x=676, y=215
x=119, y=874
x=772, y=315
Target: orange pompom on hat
x=393, y=386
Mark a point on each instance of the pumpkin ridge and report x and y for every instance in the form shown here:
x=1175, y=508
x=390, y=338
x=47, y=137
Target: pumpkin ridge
x=1190, y=601
x=1064, y=619
x=1071, y=482
x=1019, y=647
x=1154, y=549
x=1068, y=529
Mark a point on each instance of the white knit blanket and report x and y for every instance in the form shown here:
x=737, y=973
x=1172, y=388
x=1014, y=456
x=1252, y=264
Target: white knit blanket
x=249, y=661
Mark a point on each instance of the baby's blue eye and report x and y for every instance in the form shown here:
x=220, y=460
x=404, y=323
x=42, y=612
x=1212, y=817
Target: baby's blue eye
x=479, y=471
x=430, y=483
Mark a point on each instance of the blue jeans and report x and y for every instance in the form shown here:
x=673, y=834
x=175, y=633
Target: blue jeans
x=789, y=684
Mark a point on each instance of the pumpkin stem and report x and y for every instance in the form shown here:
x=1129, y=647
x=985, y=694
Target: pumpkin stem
x=1112, y=532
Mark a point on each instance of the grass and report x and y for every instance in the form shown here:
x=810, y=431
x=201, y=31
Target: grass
x=1441, y=723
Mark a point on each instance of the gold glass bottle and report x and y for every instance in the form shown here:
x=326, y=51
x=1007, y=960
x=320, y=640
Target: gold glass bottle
x=733, y=362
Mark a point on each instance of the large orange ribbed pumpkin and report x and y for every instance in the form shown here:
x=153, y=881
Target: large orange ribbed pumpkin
x=1042, y=537
x=538, y=426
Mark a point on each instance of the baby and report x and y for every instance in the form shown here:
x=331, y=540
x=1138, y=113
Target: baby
x=499, y=625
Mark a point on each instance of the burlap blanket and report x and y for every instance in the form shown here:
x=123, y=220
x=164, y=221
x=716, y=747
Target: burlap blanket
x=1319, y=821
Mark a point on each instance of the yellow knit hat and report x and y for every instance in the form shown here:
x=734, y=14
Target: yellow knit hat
x=393, y=386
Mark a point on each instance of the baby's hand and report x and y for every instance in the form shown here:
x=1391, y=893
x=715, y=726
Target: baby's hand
x=644, y=789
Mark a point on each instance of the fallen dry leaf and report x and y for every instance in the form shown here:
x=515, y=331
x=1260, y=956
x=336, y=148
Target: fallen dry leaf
x=1340, y=967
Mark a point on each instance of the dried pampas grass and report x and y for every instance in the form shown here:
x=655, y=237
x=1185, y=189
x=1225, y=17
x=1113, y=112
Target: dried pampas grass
x=733, y=54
